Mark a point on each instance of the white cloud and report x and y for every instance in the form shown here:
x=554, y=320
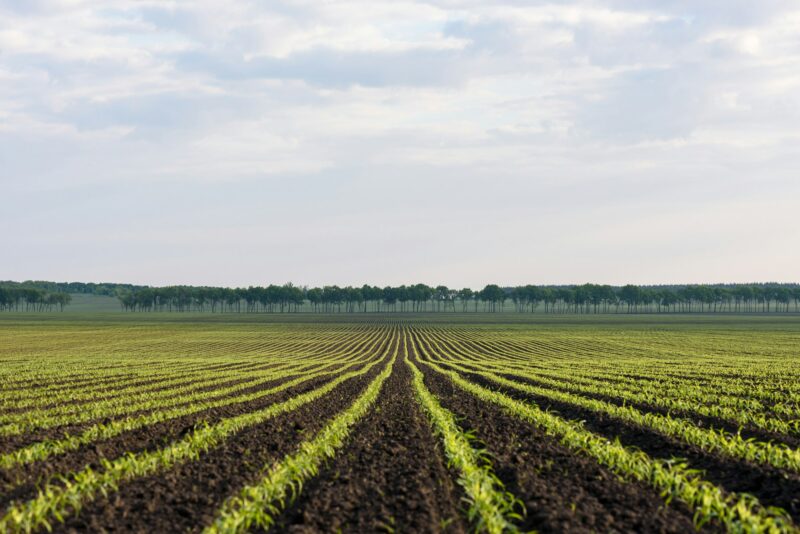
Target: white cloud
x=440, y=126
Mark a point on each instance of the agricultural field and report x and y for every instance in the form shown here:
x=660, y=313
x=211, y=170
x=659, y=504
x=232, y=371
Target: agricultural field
x=400, y=423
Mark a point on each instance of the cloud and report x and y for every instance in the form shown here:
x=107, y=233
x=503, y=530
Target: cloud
x=428, y=131
x=650, y=104
x=335, y=69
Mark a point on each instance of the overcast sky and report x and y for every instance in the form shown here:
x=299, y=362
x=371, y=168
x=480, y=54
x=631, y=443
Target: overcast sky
x=456, y=142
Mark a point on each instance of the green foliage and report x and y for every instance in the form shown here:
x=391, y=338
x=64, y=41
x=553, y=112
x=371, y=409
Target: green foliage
x=738, y=513
x=126, y=375
x=257, y=505
x=491, y=509
x=56, y=500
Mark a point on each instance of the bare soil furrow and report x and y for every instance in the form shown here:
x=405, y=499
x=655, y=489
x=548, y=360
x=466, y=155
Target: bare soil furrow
x=771, y=486
x=703, y=421
x=562, y=491
x=185, y=497
x=21, y=483
x=391, y=477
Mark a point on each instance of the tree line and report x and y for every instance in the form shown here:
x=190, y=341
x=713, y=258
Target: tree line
x=421, y=298
x=25, y=298
x=87, y=288
x=416, y=298
x=593, y=298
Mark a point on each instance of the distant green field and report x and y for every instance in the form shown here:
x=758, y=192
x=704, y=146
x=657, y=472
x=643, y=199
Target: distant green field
x=100, y=309
x=82, y=303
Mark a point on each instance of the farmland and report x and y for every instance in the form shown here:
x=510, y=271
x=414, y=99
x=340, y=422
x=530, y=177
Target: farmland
x=399, y=423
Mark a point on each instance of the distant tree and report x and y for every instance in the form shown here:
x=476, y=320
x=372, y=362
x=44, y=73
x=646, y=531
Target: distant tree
x=584, y=298
x=630, y=295
x=494, y=295
x=465, y=296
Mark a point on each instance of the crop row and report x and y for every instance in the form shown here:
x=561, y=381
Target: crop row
x=55, y=500
x=469, y=358
x=129, y=354
x=726, y=444
x=257, y=504
x=629, y=350
x=105, y=430
x=673, y=480
x=750, y=358
x=165, y=386
x=128, y=350
x=714, y=399
x=65, y=414
x=491, y=508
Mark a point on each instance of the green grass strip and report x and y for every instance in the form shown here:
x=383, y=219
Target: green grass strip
x=257, y=505
x=738, y=513
x=56, y=501
x=490, y=508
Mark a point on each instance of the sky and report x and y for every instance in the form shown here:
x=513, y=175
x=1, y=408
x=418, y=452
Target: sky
x=461, y=142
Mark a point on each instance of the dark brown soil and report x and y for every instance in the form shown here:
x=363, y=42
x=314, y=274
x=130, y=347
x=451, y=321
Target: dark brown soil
x=391, y=477
x=10, y=443
x=186, y=497
x=21, y=483
x=562, y=491
x=771, y=486
x=747, y=431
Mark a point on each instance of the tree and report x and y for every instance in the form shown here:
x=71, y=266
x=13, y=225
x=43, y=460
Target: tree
x=630, y=295
x=314, y=296
x=465, y=295
x=441, y=294
x=585, y=298
x=494, y=295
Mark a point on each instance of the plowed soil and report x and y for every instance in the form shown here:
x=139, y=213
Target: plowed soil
x=391, y=474
x=391, y=477
x=562, y=491
x=771, y=486
x=21, y=483
x=703, y=421
x=186, y=497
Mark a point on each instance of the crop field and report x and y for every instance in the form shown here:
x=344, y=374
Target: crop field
x=399, y=424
